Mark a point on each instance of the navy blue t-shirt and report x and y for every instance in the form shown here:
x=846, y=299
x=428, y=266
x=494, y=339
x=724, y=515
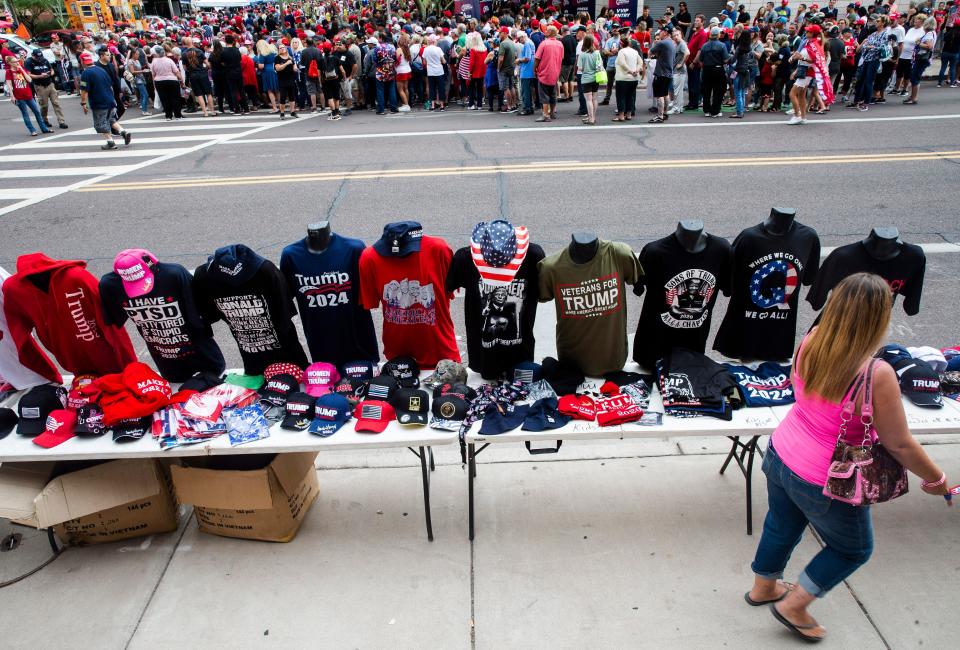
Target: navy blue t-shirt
x=99, y=88
x=327, y=288
x=178, y=339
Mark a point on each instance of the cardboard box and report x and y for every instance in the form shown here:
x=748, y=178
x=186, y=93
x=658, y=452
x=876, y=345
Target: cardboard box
x=264, y=497
x=107, y=502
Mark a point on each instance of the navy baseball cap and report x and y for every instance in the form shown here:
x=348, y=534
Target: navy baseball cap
x=358, y=372
x=503, y=418
x=299, y=412
x=544, y=416
x=527, y=372
x=331, y=411
x=399, y=239
x=892, y=353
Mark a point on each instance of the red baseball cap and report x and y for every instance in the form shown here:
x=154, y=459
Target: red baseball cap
x=373, y=416
x=283, y=368
x=60, y=425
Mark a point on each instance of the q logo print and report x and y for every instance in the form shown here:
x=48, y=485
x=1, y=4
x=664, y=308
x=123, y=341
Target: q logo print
x=773, y=284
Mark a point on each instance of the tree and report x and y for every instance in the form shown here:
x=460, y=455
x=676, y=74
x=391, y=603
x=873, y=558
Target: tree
x=28, y=11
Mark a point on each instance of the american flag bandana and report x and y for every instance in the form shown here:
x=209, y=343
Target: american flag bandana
x=498, y=249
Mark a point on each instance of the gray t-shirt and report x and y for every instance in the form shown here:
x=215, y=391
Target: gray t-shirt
x=664, y=50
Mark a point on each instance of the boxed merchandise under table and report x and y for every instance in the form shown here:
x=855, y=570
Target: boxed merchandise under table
x=106, y=502
x=263, y=497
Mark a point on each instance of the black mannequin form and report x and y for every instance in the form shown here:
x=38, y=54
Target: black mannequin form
x=690, y=235
x=779, y=221
x=318, y=236
x=883, y=243
x=583, y=247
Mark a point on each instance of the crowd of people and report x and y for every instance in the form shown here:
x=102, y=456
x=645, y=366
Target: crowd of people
x=330, y=58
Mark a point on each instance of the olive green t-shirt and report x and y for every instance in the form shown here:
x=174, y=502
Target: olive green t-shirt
x=591, y=304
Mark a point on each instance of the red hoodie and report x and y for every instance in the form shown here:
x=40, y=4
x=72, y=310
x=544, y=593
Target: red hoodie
x=67, y=316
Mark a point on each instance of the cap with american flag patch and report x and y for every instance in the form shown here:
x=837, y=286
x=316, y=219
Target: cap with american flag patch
x=373, y=416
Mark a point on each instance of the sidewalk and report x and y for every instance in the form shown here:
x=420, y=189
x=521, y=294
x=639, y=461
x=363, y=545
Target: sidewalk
x=611, y=544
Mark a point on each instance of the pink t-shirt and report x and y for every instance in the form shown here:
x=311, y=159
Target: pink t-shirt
x=806, y=437
x=164, y=69
x=550, y=55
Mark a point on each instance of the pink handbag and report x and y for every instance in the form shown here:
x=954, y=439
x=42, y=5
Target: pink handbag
x=866, y=473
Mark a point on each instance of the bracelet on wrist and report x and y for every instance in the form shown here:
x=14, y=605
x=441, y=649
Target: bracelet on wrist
x=937, y=483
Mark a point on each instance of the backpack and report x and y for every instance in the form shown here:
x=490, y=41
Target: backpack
x=330, y=65
x=313, y=72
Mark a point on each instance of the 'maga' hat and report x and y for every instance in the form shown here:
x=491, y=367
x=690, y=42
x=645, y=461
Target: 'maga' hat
x=299, y=411
x=132, y=429
x=278, y=388
x=330, y=413
x=919, y=382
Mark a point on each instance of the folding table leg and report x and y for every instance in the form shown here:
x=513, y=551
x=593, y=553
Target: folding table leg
x=471, y=473
x=433, y=467
x=746, y=453
x=733, y=451
x=426, y=492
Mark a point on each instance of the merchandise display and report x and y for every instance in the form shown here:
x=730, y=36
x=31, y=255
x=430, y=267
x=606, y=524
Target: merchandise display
x=323, y=274
x=691, y=384
x=404, y=274
x=682, y=287
x=770, y=262
x=248, y=292
x=587, y=282
x=766, y=385
x=499, y=274
x=60, y=301
x=157, y=297
x=12, y=371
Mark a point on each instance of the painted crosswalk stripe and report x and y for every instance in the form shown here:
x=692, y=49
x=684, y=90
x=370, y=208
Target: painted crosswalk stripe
x=189, y=127
x=19, y=193
x=44, y=172
x=132, y=152
x=94, y=143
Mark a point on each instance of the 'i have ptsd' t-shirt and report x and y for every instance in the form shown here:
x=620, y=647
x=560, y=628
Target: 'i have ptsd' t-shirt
x=251, y=296
x=180, y=343
x=768, y=269
x=682, y=288
x=416, y=306
x=591, y=305
x=499, y=319
x=904, y=273
x=327, y=288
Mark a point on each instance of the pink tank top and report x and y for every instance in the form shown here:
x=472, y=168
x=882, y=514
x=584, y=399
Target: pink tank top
x=806, y=437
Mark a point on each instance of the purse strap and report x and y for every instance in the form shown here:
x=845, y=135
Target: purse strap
x=862, y=388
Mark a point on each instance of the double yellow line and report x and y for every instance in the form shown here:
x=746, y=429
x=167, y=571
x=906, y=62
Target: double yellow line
x=529, y=168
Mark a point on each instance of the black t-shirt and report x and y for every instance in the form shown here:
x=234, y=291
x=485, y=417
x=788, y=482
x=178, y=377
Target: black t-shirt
x=346, y=61
x=682, y=288
x=257, y=307
x=904, y=273
x=761, y=319
x=499, y=320
x=569, y=49
x=200, y=58
x=180, y=343
x=36, y=66
x=230, y=60
x=286, y=76
x=331, y=65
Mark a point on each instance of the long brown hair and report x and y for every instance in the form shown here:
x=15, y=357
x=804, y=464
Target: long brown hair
x=853, y=325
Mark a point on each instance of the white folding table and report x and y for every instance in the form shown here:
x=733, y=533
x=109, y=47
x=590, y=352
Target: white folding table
x=748, y=423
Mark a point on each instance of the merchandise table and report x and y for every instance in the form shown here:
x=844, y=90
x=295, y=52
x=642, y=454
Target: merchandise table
x=419, y=440
x=747, y=423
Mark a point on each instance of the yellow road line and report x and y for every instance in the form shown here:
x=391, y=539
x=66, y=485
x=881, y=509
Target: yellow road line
x=526, y=168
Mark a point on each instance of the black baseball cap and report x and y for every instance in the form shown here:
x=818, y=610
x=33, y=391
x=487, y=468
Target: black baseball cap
x=405, y=370
x=382, y=388
x=89, y=421
x=399, y=239
x=278, y=388
x=411, y=405
x=358, y=372
x=449, y=411
x=131, y=429
x=919, y=382
x=458, y=390
x=299, y=411
x=8, y=420
x=345, y=388
x=36, y=405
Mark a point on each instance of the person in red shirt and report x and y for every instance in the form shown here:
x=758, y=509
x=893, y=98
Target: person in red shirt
x=698, y=36
x=21, y=94
x=642, y=36
x=248, y=73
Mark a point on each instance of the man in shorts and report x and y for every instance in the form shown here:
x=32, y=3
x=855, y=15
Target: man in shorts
x=546, y=67
x=97, y=96
x=506, y=62
x=664, y=51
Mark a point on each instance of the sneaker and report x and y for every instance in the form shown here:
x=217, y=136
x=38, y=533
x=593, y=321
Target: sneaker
x=511, y=110
x=169, y=119
x=63, y=125
x=404, y=109
x=126, y=137
x=714, y=115
x=107, y=146
x=656, y=120
x=282, y=116
x=939, y=85
x=336, y=117
x=803, y=120
x=862, y=108
x=294, y=114
x=794, y=120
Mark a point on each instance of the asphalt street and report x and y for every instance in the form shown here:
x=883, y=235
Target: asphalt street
x=184, y=188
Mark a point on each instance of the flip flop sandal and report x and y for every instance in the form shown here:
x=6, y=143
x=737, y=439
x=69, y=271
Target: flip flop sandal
x=796, y=629
x=760, y=603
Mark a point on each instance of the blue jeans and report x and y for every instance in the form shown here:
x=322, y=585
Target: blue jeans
x=582, y=100
x=26, y=105
x=846, y=530
x=143, y=95
x=948, y=59
x=526, y=93
x=740, y=86
x=388, y=89
x=865, y=76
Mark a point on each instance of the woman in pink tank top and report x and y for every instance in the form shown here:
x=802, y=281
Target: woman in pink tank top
x=853, y=326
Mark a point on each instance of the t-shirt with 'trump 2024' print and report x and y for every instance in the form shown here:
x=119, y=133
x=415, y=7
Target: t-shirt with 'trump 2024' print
x=591, y=305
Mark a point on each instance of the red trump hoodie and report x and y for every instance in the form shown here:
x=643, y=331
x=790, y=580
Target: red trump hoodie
x=60, y=301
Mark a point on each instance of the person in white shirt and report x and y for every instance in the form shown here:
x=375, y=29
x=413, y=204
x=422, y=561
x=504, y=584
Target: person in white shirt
x=905, y=64
x=436, y=73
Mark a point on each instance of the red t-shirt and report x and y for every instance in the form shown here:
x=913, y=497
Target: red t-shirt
x=416, y=308
x=20, y=83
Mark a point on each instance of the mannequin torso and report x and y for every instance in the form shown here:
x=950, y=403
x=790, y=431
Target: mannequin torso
x=318, y=236
x=691, y=236
x=883, y=243
x=779, y=221
x=583, y=247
